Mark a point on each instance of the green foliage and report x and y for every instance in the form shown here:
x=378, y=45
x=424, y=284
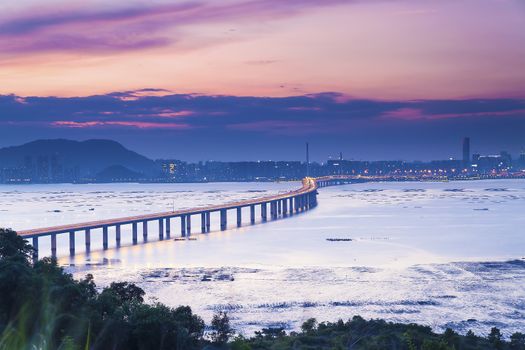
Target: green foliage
x=358, y=333
x=13, y=246
x=309, y=325
x=517, y=341
x=495, y=338
x=42, y=307
x=222, y=330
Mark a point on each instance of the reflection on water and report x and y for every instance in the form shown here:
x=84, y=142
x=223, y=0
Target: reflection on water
x=442, y=254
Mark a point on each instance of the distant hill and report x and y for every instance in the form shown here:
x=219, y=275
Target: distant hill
x=86, y=158
x=117, y=173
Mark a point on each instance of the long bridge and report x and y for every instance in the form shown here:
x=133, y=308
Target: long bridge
x=281, y=205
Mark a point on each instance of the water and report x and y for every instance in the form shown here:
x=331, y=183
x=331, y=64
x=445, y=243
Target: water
x=440, y=254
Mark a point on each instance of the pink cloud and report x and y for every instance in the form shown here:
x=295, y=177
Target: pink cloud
x=304, y=109
x=404, y=114
x=138, y=125
x=173, y=114
x=418, y=114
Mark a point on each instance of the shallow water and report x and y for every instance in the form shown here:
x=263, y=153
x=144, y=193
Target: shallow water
x=441, y=254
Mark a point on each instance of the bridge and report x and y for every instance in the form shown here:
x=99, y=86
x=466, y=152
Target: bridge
x=281, y=205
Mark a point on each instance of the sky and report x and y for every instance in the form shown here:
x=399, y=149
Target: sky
x=256, y=79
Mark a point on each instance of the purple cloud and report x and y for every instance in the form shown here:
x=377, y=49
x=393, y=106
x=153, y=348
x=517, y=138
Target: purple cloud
x=203, y=126
x=53, y=29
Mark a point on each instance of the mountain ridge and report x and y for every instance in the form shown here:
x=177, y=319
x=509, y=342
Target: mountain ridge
x=88, y=157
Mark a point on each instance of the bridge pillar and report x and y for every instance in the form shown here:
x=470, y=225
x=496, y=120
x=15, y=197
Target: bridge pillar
x=224, y=219
x=291, y=199
x=285, y=207
x=208, y=221
x=134, y=232
x=308, y=200
x=87, y=235
x=279, y=207
x=264, y=208
x=183, y=225
x=252, y=214
x=239, y=217
x=161, y=229
x=273, y=210
x=117, y=235
x=54, y=244
x=145, y=231
x=35, y=248
x=71, y=243
x=105, y=237
x=188, y=225
x=203, y=222
x=305, y=202
x=168, y=228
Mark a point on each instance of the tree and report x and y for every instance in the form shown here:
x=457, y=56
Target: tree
x=471, y=339
x=125, y=292
x=12, y=246
x=240, y=343
x=222, y=330
x=451, y=338
x=517, y=341
x=309, y=325
x=495, y=337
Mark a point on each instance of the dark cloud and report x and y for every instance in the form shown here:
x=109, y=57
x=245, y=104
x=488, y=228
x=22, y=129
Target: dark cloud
x=193, y=126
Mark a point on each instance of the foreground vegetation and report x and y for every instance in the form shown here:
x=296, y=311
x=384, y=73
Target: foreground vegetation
x=42, y=307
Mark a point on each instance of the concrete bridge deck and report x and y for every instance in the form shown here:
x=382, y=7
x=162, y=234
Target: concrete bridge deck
x=281, y=205
x=309, y=186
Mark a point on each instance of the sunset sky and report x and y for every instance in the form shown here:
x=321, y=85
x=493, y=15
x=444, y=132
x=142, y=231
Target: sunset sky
x=376, y=79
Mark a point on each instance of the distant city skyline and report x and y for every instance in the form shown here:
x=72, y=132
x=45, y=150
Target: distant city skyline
x=56, y=161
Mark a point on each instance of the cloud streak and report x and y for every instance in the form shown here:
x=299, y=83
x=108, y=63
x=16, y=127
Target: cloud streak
x=115, y=29
x=131, y=124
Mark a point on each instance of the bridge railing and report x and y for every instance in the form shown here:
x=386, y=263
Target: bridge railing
x=281, y=205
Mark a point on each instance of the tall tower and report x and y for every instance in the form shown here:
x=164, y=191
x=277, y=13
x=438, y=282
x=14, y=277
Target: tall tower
x=307, y=160
x=466, y=151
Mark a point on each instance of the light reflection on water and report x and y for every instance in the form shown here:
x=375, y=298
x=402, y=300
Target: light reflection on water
x=416, y=254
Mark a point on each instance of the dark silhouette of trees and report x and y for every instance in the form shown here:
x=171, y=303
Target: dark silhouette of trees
x=43, y=307
x=222, y=330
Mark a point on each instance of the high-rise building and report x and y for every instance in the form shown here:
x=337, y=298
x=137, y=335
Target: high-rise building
x=466, y=151
x=307, y=160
